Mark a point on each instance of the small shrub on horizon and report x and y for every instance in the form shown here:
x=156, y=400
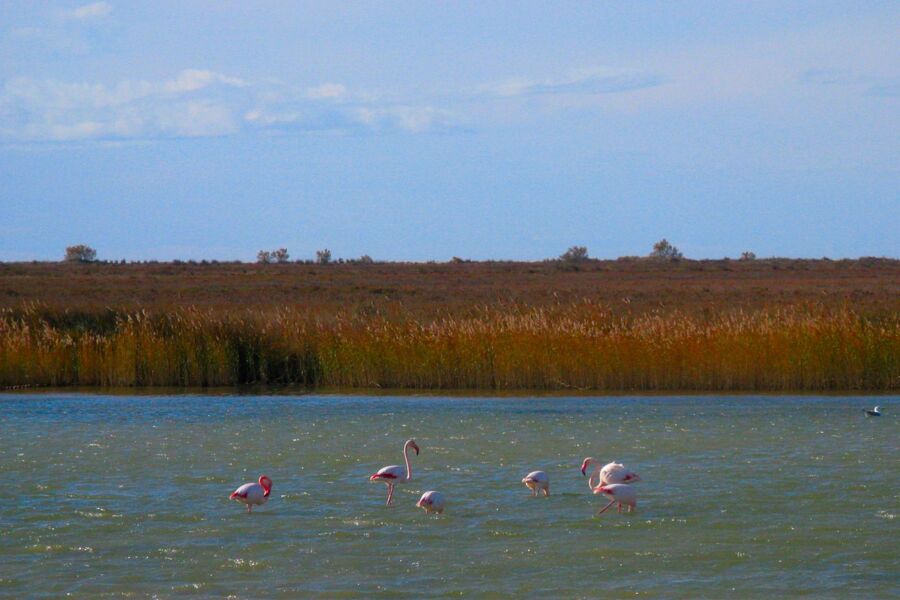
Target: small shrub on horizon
x=264, y=257
x=666, y=251
x=575, y=254
x=748, y=256
x=80, y=253
x=323, y=257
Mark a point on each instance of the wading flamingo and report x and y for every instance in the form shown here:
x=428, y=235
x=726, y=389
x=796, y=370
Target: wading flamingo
x=611, y=473
x=432, y=502
x=394, y=474
x=537, y=480
x=253, y=493
x=618, y=492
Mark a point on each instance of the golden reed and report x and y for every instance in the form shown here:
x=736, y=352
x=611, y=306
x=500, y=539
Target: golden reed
x=580, y=346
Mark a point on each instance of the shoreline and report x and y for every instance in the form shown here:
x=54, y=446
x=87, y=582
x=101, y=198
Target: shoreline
x=299, y=391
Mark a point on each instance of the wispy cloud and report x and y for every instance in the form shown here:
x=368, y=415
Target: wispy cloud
x=868, y=85
x=195, y=103
x=91, y=11
x=597, y=80
x=327, y=90
x=198, y=103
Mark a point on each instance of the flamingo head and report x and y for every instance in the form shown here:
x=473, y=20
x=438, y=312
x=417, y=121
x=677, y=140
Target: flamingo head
x=423, y=501
x=266, y=484
x=584, y=466
x=632, y=477
x=412, y=444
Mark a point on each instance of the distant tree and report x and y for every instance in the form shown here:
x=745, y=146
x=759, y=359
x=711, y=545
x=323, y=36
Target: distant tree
x=264, y=257
x=575, y=254
x=80, y=253
x=663, y=249
x=748, y=256
x=323, y=257
x=366, y=259
x=281, y=255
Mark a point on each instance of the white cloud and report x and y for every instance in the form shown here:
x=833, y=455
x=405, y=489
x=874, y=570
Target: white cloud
x=91, y=11
x=590, y=81
x=194, y=103
x=327, y=90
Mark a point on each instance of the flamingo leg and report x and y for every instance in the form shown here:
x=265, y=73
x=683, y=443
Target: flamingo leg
x=620, y=508
x=249, y=508
x=390, y=494
x=611, y=502
x=546, y=492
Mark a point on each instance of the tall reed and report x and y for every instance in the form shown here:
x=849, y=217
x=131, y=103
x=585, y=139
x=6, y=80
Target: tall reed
x=576, y=346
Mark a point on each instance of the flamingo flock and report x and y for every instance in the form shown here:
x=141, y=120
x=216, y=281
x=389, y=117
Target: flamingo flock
x=614, y=481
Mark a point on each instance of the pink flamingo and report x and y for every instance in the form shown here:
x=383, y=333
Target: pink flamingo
x=537, y=480
x=393, y=474
x=432, y=502
x=253, y=493
x=618, y=492
x=611, y=473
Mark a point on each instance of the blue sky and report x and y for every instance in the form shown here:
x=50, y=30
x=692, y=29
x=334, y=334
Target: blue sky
x=422, y=131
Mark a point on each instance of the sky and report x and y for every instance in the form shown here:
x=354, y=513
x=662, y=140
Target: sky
x=426, y=130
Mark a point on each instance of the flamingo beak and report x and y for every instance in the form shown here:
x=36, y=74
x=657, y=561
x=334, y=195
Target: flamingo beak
x=583, y=469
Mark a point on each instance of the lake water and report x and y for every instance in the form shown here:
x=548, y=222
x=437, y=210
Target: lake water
x=744, y=497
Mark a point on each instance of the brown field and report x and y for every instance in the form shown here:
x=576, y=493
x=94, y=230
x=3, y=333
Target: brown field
x=869, y=285
x=772, y=325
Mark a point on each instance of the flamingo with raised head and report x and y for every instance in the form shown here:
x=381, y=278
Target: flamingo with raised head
x=431, y=502
x=537, y=480
x=253, y=493
x=610, y=473
x=618, y=492
x=393, y=474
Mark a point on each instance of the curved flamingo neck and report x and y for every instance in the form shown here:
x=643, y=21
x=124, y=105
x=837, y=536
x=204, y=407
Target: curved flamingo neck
x=406, y=458
x=594, y=473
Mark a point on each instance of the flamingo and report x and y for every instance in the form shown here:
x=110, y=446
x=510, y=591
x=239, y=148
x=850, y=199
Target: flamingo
x=611, y=473
x=618, y=492
x=253, y=493
x=393, y=474
x=432, y=502
x=537, y=480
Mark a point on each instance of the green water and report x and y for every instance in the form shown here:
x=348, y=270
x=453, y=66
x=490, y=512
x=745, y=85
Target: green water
x=744, y=497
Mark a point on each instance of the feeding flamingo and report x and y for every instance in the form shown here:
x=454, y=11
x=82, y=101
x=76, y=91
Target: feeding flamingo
x=394, y=474
x=618, y=492
x=611, y=473
x=253, y=493
x=537, y=480
x=432, y=502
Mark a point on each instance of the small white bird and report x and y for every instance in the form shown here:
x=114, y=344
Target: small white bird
x=393, y=474
x=253, y=493
x=610, y=473
x=618, y=492
x=431, y=502
x=875, y=412
x=537, y=480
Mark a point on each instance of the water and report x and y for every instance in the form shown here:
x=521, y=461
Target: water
x=741, y=497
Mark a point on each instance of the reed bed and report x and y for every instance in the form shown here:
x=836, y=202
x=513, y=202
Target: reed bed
x=579, y=346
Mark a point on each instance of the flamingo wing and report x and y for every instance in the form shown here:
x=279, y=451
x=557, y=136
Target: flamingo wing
x=249, y=493
x=392, y=473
